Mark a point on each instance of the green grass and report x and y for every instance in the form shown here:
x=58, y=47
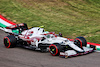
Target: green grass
x=71, y=17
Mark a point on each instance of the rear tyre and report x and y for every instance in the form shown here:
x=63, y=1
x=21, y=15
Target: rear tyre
x=80, y=42
x=54, y=49
x=10, y=41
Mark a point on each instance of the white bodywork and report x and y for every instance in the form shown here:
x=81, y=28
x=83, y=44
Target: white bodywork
x=36, y=34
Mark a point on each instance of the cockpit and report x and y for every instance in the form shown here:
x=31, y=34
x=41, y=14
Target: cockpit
x=50, y=36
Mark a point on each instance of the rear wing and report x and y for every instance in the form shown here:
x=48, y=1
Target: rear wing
x=18, y=28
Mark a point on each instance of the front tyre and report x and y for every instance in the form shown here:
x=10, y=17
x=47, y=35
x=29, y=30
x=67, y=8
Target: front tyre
x=80, y=42
x=54, y=49
x=10, y=41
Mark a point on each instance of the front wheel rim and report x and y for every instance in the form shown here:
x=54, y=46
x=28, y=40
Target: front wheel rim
x=53, y=50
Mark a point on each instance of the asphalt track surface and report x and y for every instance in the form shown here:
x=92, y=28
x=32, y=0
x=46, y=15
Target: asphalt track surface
x=20, y=57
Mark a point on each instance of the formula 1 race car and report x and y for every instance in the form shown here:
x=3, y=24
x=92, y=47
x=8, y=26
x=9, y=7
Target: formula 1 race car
x=39, y=39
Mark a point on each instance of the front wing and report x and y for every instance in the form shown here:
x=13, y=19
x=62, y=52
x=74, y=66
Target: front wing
x=73, y=53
